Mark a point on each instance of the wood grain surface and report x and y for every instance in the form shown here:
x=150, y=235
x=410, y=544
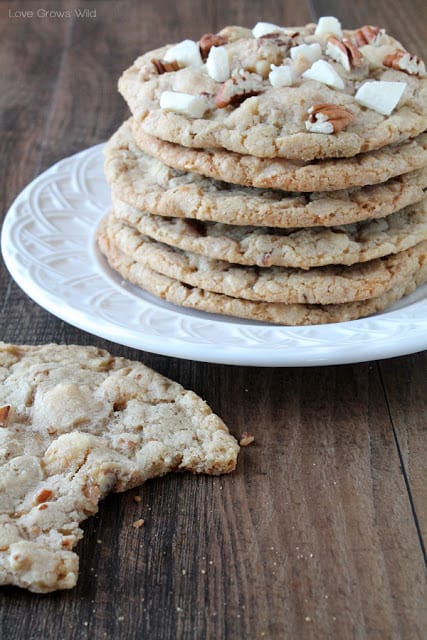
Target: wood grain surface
x=318, y=534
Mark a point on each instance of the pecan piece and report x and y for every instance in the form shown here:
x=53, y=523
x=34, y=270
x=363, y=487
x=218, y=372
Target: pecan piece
x=43, y=496
x=403, y=61
x=277, y=39
x=345, y=52
x=208, y=41
x=161, y=66
x=4, y=413
x=366, y=35
x=239, y=87
x=328, y=118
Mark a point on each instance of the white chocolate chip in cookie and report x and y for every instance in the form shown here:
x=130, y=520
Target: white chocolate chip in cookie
x=381, y=96
x=325, y=73
x=311, y=52
x=282, y=76
x=186, y=53
x=263, y=28
x=328, y=26
x=184, y=103
x=217, y=64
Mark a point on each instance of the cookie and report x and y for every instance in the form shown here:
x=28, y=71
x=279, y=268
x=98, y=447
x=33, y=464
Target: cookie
x=146, y=183
x=298, y=248
x=366, y=169
x=78, y=423
x=300, y=93
x=184, y=295
x=323, y=285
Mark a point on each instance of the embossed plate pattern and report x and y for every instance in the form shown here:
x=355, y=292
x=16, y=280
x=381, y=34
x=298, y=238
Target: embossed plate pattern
x=48, y=246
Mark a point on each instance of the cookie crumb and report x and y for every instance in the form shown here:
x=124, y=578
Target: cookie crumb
x=138, y=523
x=307, y=619
x=137, y=498
x=246, y=438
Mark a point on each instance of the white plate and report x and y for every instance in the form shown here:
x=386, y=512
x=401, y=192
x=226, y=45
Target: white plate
x=48, y=246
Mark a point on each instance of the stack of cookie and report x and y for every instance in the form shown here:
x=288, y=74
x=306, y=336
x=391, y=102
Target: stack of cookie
x=277, y=174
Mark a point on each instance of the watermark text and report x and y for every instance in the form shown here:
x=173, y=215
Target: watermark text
x=58, y=14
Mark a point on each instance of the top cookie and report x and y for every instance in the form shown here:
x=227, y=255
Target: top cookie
x=298, y=93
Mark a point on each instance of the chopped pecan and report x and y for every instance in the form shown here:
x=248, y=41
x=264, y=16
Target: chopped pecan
x=345, y=52
x=403, y=61
x=239, y=87
x=161, y=66
x=208, y=41
x=4, y=413
x=43, y=496
x=328, y=118
x=366, y=35
x=280, y=40
x=67, y=543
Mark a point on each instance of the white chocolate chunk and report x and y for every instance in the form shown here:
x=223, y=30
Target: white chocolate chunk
x=262, y=68
x=217, y=64
x=381, y=96
x=310, y=52
x=282, y=76
x=328, y=26
x=324, y=72
x=183, y=103
x=187, y=53
x=263, y=28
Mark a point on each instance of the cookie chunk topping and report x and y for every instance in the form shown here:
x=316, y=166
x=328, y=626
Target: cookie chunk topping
x=328, y=118
x=208, y=41
x=381, y=96
x=252, y=88
x=240, y=86
x=403, y=61
x=344, y=52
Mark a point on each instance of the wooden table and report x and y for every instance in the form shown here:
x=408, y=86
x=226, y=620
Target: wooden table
x=319, y=532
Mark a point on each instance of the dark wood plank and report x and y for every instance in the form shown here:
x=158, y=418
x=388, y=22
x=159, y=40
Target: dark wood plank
x=314, y=536
x=405, y=387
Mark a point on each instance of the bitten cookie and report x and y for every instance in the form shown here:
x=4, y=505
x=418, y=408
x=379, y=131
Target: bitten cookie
x=77, y=423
